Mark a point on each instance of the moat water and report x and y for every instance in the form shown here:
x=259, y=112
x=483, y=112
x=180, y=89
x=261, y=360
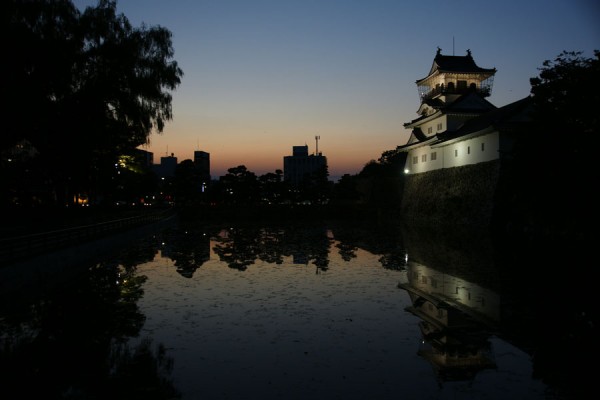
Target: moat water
x=305, y=311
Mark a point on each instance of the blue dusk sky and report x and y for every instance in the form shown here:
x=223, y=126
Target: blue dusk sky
x=262, y=76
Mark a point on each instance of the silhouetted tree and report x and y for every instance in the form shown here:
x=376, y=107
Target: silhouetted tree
x=390, y=164
x=545, y=194
x=239, y=186
x=379, y=184
x=345, y=190
x=315, y=187
x=566, y=93
x=273, y=188
x=85, y=88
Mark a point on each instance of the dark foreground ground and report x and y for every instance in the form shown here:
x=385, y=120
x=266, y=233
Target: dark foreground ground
x=21, y=221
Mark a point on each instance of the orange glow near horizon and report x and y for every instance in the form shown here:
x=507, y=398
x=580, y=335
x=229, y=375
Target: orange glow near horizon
x=261, y=159
x=262, y=78
x=262, y=150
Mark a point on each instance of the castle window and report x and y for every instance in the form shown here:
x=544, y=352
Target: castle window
x=482, y=146
x=424, y=158
x=433, y=156
x=429, y=130
x=415, y=159
x=468, y=149
x=439, y=127
x=455, y=153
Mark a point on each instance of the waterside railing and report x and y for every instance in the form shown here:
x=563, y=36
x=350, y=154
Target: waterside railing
x=27, y=246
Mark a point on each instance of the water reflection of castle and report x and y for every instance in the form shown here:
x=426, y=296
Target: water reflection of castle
x=458, y=316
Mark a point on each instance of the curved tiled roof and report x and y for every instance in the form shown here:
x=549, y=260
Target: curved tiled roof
x=464, y=64
x=512, y=114
x=469, y=103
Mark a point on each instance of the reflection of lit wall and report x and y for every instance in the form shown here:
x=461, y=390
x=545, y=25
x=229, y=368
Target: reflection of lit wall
x=438, y=314
x=453, y=289
x=476, y=357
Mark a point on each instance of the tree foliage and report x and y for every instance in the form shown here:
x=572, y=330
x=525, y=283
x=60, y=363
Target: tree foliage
x=83, y=88
x=566, y=93
x=550, y=185
x=240, y=186
x=390, y=164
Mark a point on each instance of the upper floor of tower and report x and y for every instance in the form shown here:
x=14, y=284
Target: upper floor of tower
x=453, y=76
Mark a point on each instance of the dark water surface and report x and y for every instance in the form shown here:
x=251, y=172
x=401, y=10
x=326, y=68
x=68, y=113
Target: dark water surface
x=308, y=311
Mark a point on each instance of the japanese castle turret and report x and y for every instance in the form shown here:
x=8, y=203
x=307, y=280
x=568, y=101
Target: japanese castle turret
x=459, y=145
x=453, y=93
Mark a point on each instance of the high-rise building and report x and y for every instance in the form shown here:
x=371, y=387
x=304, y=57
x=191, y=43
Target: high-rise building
x=145, y=157
x=300, y=164
x=202, y=164
x=167, y=166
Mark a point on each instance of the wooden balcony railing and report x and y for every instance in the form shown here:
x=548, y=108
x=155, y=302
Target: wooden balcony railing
x=483, y=91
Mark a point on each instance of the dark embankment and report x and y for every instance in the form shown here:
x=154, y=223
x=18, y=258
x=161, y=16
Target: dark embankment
x=451, y=197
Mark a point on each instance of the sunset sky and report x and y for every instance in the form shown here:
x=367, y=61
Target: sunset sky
x=263, y=76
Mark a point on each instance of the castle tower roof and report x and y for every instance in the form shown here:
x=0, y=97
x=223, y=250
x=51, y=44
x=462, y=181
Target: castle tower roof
x=455, y=75
x=456, y=64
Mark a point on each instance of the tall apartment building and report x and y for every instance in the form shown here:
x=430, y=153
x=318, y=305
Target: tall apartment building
x=167, y=166
x=202, y=162
x=300, y=164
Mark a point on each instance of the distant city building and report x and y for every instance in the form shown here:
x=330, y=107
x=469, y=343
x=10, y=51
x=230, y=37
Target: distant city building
x=202, y=164
x=300, y=164
x=167, y=166
x=146, y=157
